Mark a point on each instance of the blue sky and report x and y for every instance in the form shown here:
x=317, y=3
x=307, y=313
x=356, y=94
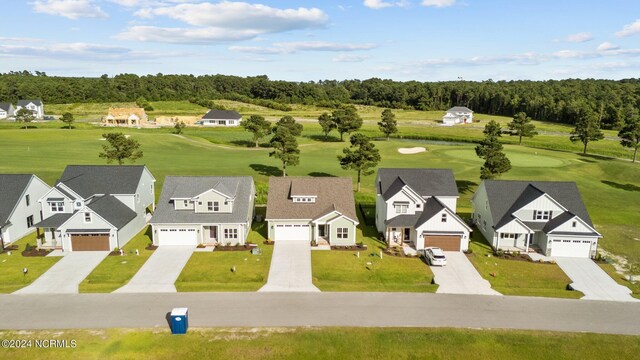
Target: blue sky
x=425, y=40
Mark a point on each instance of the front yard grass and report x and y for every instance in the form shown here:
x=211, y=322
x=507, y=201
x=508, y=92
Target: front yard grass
x=327, y=343
x=620, y=279
x=338, y=270
x=521, y=278
x=211, y=271
x=11, y=275
x=116, y=271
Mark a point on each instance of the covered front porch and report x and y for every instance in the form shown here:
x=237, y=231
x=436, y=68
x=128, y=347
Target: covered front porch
x=48, y=238
x=517, y=242
x=222, y=234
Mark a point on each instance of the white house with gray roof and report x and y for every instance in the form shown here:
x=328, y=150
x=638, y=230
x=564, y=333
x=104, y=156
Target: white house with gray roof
x=221, y=118
x=36, y=107
x=417, y=208
x=458, y=115
x=7, y=110
x=96, y=207
x=208, y=210
x=19, y=207
x=546, y=216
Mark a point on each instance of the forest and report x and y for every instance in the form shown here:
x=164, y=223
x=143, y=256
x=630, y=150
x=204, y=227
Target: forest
x=561, y=101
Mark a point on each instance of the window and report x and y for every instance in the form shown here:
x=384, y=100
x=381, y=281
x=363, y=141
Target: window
x=137, y=198
x=185, y=203
x=87, y=217
x=418, y=206
x=541, y=215
x=56, y=206
x=444, y=218
x=27, y=198
x=343, y=233
x=230, y=233
x=507, y=236
x=216, y=206
x=574, y=224
x=78, y=204
x=210, y=206
x=401, y=208
x=30, y=221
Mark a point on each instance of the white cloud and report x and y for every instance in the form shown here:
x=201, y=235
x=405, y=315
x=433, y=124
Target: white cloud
x=72, y=9
x=350, y=58
x=580, y=37
x=381, y=4
x=607, y=46
x=630, y=29
x=438, y=3
x=186, y=35
x=296, y=46
x=77, y=51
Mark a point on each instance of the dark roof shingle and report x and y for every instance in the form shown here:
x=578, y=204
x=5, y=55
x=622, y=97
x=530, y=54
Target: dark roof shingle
x=11, y=188
x=222, y=114
x=112, y=210
x=426, y=182
x=88, y=180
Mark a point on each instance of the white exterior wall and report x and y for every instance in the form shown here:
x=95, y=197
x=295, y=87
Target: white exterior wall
x=77, y=222
x=592, y=239
x=178, y=204
x=18, y=219
x=402, y=196
x=38, y=111
x=214, y=122
x=130, y=230
x=381, y=213
x=449, y=201
x=543, y=203
x=213, y=197
x=512, y=227
x=482, y=214
x=581, y=227
x=202, y=237
x=146, y=191
x=453, y=224
x=129, y=200
x=46, y=209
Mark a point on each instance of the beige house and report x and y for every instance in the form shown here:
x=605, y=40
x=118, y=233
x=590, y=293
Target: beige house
x=125, y=117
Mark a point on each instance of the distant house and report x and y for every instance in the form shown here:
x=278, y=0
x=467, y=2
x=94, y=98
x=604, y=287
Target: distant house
x=7, y=110
x=208, y=210
x=221, y=118
x=458, y=115
x=132, y=116
x=36, y=107
x=548, y=216
x=19, y=207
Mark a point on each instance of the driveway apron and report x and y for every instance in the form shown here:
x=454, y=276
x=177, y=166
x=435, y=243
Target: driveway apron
x=160, y=272
x=290, y=269
x=459, y=276
x=65, y=276
x=592, y=281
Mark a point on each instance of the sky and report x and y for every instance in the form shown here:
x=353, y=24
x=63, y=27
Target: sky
x=423, y=40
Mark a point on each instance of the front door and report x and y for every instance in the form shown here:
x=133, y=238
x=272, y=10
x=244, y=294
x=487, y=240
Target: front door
x=322, y=230
x=213, y=233
x=407, y=235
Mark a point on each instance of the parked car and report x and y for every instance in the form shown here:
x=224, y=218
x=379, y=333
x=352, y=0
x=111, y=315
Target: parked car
x=435, y=256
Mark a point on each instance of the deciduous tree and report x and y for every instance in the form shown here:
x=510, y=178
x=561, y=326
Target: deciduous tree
x=326, y=123
x=25, y=116
x=258, y=126
x=347, y=120
x=120, y=148
x=290, y=123
x=68, y=119
x=587, y=129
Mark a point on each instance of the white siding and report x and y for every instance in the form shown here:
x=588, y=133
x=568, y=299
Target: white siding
x=201, y=203
x=568, y=226
x=449, y=201
x=46, y=209
x=77, y=222
x=129, y=200
x=35, y=189
x=453, y=225
x=543, y=203
x=482, y=214
x=403, y=197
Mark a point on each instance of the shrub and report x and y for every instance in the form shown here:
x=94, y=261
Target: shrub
x=28, y=247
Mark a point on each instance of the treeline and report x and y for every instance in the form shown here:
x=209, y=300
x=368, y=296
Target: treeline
x=553, y=100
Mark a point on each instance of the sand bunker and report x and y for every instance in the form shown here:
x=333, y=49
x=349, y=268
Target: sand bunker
x=413, y=150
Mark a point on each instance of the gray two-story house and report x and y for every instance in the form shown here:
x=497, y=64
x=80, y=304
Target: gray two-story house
x=97, y=207
x=19, y=207
x=208, y=210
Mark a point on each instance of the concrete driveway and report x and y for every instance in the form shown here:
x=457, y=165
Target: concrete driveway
x=460, y=277
x=160, y=272
x=65, y=276
x=290, y=268
x=592, y=281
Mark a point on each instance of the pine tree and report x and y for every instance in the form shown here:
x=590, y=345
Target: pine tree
x=388, y=123
x=587, y=129
x=630, y=135
x=285, y=148
x=491, y=150
x=258, y=126
x=521, y=126
x=362, y=156
x=326, y=123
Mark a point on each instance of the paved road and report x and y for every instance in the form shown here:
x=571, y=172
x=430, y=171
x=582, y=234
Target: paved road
x=65, y=276
x=290, y=268
x=459, y=276
x=592, y=281
x=315, y=309
x=160, y=272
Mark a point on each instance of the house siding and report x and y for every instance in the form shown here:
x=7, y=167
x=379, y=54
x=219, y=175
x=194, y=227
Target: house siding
x=213, y=197
x=77, y=222
x=543, y=203
x=449, y=201
x=18, y=219
x=342, y=222
x=452, y=225
x=46, y=209
x=482, y=215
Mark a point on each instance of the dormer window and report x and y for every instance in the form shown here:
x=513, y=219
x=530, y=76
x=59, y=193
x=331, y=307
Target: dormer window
x=444, y=217
x=56, y=206
x=185, y=203
x=401, y=208
x=304, y=199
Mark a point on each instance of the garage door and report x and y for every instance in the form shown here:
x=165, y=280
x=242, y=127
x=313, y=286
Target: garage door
x=571, y=248
x=444, y=242
x=292, y=233
x=177, y=236
x=90, y=242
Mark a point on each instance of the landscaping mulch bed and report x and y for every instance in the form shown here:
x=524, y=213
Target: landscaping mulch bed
x=36, y=252
x=349, y=247
x=13, y=247
x=235, y=247
x=268, y=242
x=151, y=247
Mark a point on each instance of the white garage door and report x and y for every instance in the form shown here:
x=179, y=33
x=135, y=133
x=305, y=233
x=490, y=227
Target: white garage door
x=571, y=248
x=292, y=232
x=177, y=236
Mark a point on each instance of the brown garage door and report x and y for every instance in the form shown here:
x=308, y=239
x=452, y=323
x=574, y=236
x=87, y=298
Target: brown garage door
x=444, y=242
x=90, y=242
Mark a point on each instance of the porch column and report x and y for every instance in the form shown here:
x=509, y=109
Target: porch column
x=527, y=240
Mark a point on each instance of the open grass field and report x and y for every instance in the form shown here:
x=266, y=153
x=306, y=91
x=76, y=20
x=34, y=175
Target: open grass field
x=327, y=343
x=11, y=276
x=211, y=271
x=115, y=271
x=520, y=278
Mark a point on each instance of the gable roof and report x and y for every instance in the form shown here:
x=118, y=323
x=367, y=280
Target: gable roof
x=425, y=182
x=88, y=180
x=431, y=208
x=26, y=102
x=507, y=196
x=112, y=210
x=459, y=109
x=333, y=194
x=189, y=186
x=12, y=187
x=222, y=114
x=6, y=106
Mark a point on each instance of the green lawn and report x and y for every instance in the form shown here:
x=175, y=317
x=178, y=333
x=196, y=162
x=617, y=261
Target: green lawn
x=343, y=271
x=115, y=271
x=11, y=276
x=620, y=279
x=328, y=343
x=521, y=278
x=211, y=271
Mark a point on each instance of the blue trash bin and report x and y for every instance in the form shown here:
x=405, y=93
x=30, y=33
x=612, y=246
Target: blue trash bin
x=179, y=321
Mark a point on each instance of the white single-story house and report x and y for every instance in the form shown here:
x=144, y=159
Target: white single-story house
x=7, y=110
x=208, y=210
x=312, y=208
x=19, y=207
x=221, y=118
x=545, y=216
x=417, y=208
x=458, y=115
